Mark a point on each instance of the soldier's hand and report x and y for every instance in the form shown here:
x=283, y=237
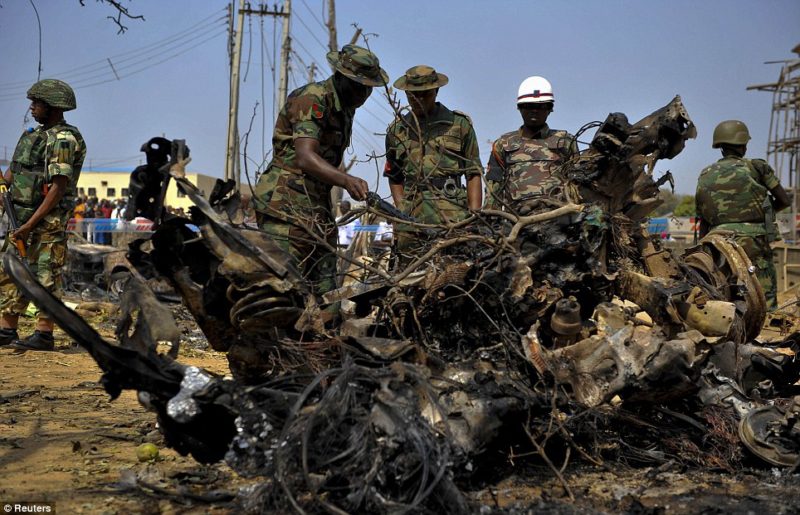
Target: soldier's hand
x=357, y=188
x=22, y=233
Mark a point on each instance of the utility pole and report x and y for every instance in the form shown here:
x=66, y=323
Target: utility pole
x=232, y=169
x=312, y=71
x=333, y=45
x=232, y=153
x=286, y=49
x=355, y=37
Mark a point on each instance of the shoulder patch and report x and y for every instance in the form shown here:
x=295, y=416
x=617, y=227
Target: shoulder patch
x=316, y=111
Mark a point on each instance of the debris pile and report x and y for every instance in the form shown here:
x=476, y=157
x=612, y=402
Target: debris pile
x=555, y=326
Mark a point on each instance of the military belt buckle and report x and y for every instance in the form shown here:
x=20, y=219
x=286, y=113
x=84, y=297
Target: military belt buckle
x=450, y=187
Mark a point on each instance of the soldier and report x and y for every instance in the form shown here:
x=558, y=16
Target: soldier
x=312, y=132
x=742, y=195
x=524, y=163
x=43, y=176
x=428, y=151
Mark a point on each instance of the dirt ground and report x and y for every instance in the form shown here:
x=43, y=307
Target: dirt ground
x=62, y=441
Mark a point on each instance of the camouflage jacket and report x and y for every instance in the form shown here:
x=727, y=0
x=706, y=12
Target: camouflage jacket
x=312, y=111
x=39, y=156
x=446, y=148
x=734, y=192
x=521, y=168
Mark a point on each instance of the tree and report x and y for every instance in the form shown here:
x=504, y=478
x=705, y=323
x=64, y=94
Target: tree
x=121, y=11
x=685, y=207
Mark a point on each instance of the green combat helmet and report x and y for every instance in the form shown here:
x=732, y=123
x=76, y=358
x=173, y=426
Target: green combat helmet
x=54, y=93
x=731, y=132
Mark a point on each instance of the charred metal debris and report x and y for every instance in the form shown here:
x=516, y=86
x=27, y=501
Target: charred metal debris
x=556, y=329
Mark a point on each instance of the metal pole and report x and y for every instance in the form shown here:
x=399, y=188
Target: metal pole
x=312, y=71
x=231, y=163
x=333, y=46
x=286, y=48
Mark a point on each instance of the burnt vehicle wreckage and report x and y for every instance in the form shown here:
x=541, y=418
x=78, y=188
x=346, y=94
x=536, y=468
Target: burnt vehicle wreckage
x=557, y=325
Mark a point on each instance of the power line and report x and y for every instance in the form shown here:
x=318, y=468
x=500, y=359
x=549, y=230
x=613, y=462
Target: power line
x=130, y=54
x=39, y=23
x=90, y=80
x=321, y=24
x=325, y=48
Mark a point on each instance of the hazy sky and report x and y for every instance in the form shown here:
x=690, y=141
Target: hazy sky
x=601, y=56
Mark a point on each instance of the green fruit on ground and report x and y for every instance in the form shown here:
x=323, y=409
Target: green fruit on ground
x=147, y=452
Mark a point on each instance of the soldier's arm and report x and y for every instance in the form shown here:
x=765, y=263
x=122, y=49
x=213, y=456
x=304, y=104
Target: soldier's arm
x=306, y=113
x=393, y=170
x=398, y=192
x=780, y=199
x=54, y=195
x=495, y=172
x=309, y=160
x=473, y=169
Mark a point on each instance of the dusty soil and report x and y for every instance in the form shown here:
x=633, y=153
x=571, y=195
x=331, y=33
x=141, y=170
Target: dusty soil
x=63, y=441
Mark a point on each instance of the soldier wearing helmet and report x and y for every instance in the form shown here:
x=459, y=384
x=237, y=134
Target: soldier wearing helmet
x=523, y=166
x=42, y=180
x=432, y=160
x=741, y=196
x=292, y=197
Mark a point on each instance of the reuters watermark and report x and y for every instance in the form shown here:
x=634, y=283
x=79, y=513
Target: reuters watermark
x=29, y=507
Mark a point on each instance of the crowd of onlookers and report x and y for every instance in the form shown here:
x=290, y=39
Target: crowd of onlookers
x=87, y=212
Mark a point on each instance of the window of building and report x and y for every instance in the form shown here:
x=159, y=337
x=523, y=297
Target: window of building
x=104, y=183
x=81, y=191
x=92, y=192
x=181, y=193
x=111, y=192
x=125, y=192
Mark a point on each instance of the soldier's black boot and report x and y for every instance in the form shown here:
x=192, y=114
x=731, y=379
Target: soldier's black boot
x=8, y=335
x=39, y=340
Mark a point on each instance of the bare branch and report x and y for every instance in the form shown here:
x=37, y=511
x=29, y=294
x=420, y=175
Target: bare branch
x=122, y=11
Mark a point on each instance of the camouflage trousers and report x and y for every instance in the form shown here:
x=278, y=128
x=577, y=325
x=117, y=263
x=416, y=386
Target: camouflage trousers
x=315, y=261
x=428, y=207
x=760, y=253
x=47, y=252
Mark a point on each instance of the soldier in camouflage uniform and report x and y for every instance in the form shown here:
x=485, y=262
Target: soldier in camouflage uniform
x=523, y=166
x=313, y=130
x=432, y=160
x=742, y=196
x=42, y=180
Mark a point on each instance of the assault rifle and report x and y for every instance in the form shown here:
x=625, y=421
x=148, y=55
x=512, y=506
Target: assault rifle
x=13, y=221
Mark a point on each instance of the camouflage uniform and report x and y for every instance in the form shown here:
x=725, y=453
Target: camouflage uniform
x=524, y=169
x=433, y=168
x=733, y=195
x=293, y=206
x=40, y=155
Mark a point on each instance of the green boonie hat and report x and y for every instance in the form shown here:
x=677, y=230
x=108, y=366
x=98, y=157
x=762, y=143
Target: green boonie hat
x=732, y=132
x=54, y=93
x=359, y=64
x=421, y=78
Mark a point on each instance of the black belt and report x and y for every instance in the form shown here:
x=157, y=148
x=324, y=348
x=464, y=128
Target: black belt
x=448, y=185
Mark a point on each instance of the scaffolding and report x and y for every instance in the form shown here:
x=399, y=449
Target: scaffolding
x=783, y=146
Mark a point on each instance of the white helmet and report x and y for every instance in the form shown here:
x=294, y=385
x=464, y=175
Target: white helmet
x=535, y=90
